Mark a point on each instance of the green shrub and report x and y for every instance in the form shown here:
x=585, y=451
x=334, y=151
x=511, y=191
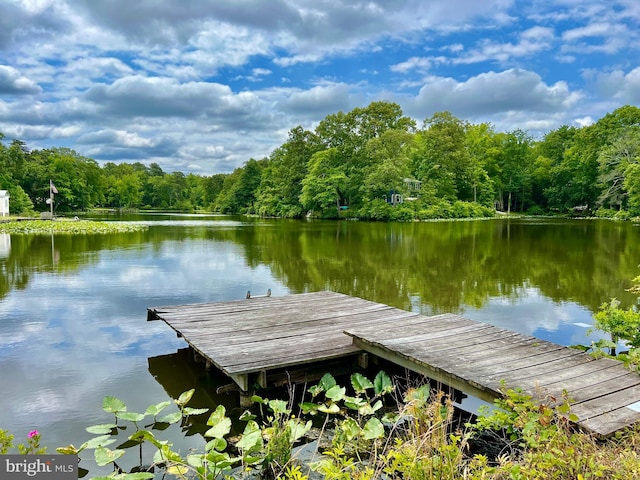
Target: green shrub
x=622, y=215
x=605, y=213
x=535, y=210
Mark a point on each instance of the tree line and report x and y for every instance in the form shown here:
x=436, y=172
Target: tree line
x=371, y=163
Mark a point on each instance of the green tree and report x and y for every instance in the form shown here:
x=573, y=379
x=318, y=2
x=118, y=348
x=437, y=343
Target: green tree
x=548, y=154
x=349, y=134
x=483, y=147
x=516, y=169
x=617, y=169
x=239, y=189
x=441, y=159
x=390, y=164
x=281, y=180
x=323, y=187
x=212, y=187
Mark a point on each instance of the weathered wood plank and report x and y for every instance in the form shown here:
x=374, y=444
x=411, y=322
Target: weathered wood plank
x=254, y=336
x=610, y=422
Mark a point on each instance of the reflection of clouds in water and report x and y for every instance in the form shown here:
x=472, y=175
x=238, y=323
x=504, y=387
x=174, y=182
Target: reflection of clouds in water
x=534, y=313
x=68, y=340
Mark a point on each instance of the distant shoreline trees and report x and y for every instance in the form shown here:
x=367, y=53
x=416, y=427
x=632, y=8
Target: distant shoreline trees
x=357, y=164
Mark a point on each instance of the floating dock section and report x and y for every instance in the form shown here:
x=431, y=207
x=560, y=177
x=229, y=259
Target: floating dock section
x=248, y=339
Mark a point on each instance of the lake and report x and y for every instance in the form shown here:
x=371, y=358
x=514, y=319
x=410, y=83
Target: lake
x=73, y=323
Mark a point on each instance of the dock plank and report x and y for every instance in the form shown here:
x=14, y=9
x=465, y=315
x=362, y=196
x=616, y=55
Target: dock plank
x=258, y=335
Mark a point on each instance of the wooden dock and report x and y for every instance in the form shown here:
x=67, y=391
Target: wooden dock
x=249, y=338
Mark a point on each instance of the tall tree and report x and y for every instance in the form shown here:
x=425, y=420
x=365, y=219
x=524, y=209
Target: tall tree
x=618, y=169
x=516, y=168
x=281, y=181
x=441, y=159
x=324, y=186
x=390, y=164
x=483, y=147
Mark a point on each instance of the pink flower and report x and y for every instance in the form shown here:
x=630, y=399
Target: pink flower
x=33, y=433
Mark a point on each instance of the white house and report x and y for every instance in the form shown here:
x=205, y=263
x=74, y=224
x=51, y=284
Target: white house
x=4, y=203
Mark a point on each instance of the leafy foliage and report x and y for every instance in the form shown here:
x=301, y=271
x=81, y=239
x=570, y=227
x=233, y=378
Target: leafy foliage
x=356, y=161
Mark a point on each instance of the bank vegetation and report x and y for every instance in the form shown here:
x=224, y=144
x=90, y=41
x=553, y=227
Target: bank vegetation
x=370, y=163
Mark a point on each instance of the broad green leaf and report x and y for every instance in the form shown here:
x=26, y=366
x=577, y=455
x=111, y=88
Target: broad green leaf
x=309, y=407
x=279, y=407
x=218, y=444
x=373, y=429
x=350, y=428
x=259, y=399
x=195, y=460
x=336, y=393
x=354, y=403
x=147, y=436
x=382, y=384
x=194, y=411
x=172, y=417
x=252, y=460
x=360, y=383
x=327, y=381
x=315, y=390
x=220, y=429
x=184, y=397
x=219, y=414
x=390, y=418
x=104, y=456
x=298, y=429
x=101, y=429
x=154, y=410
x=135, y=476
x=251, y=437
x=220, y=458
x=178, y=470
x=68, y=450
x=370, y=409
x=422, y=394
x=113, y=405
x=96, y=442
x=130, y=416
x=165, y=454
x=333, y=408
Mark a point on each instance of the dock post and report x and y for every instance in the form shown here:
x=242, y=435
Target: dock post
x=363, y=360
x=245, y=399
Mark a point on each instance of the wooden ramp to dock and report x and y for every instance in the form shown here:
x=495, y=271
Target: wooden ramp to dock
x=479, y=359
x=248, y=338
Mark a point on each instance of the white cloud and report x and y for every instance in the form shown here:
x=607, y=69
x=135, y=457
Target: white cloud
x=165, y=80
x=414, y=63
x=493, y=93
x=584, y=121
x=13, y=83
x=623, y=87
x=592, y=30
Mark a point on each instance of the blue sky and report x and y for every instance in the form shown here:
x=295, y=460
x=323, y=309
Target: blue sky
x=204, y=85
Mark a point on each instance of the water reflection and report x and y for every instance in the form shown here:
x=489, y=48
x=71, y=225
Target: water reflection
x=5, y=245
x=73, y=308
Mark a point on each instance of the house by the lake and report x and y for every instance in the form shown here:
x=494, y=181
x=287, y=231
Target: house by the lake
x=4, y=203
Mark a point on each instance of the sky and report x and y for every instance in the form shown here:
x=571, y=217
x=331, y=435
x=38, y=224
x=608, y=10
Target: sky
x=202, y=86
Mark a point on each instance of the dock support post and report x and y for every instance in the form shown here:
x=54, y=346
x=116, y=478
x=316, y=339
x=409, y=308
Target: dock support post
x=262, y=378
x=363, y=360
x=245, y=399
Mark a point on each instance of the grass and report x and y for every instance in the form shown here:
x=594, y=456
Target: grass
x=68, y=226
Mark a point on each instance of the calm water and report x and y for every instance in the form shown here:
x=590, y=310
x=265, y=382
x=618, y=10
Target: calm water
x=73, y=309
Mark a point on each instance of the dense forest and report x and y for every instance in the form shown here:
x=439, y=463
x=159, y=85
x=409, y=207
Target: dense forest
x=370, y=163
